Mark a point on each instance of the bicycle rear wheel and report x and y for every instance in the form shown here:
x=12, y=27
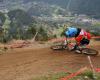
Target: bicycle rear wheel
x=89, y=51
x=58, y=47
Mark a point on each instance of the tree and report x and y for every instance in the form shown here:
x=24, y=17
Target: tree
x=21, y=24
x=42, y=34
x=2, y=18
x=31, y=31
x=21, y=17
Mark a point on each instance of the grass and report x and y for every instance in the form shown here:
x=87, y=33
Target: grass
x=87, y=75
x=56, y=76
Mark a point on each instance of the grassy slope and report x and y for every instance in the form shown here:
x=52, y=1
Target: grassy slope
x=84, y=76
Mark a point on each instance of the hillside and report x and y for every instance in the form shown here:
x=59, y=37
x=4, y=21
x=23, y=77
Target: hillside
x=45, y=9
x=89, y=7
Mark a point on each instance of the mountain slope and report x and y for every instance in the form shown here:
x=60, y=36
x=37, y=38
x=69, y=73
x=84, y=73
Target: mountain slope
x=86, y=6
x=90, y=7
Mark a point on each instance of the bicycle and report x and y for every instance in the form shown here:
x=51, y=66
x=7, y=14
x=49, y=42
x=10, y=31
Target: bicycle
x=67, y=45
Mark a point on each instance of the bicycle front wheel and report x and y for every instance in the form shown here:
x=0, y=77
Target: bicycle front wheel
x=89, y=51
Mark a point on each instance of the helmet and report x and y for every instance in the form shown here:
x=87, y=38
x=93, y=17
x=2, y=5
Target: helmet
x=71, y=32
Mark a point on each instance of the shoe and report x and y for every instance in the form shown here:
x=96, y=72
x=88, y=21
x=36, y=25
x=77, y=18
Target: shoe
x=78, y=51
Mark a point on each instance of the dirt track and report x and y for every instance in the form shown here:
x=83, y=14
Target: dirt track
x=26, y=63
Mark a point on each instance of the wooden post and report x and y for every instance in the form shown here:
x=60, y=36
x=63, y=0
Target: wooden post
x=34, y=36
x=92, y=67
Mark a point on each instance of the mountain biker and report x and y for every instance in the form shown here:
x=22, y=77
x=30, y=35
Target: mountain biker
x=82, y=37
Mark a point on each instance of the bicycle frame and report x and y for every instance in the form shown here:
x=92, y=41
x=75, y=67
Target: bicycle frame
x=71, y=45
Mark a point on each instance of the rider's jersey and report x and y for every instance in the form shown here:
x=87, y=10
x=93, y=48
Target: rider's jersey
x=83, y=34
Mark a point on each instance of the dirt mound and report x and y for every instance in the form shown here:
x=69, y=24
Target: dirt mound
x=18, y=43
